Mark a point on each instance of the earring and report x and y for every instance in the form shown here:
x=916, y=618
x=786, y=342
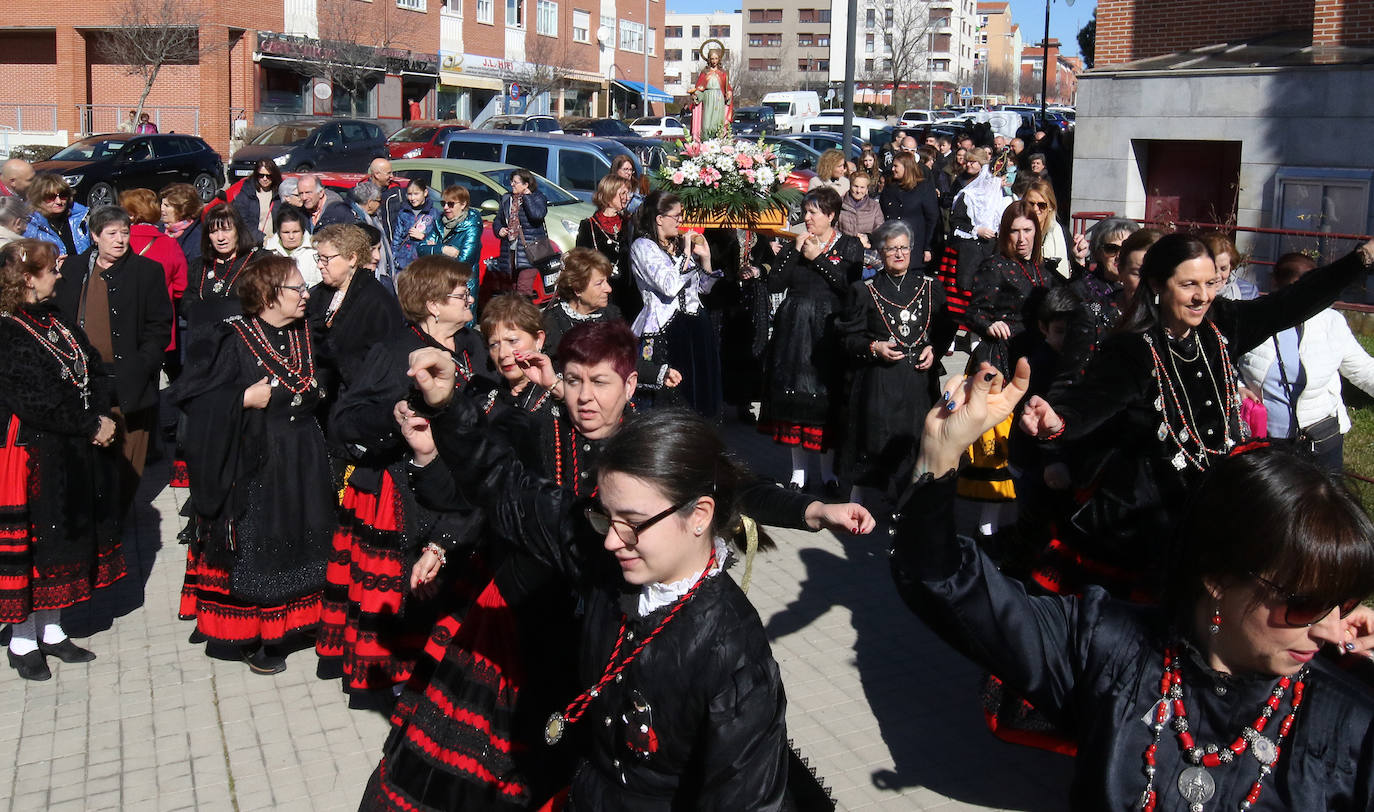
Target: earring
x=1215, y=628
x=698, y=531
x=1156, y=298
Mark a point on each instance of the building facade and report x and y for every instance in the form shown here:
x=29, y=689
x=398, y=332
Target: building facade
x=998, y=53
x=1062, y=84
x=788, y=43
x=683, y=35
x=927, y=47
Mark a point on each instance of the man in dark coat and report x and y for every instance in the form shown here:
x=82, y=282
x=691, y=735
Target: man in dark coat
x=324, y=209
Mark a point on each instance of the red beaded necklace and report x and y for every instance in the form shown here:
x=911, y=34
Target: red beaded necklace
x=1188, y=432
x=74, y=364
x=558, y=722
x=227, y=279
x=295, y=370
x=1195, y=785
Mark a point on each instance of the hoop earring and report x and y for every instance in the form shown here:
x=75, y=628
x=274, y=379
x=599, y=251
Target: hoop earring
x=1215, y=627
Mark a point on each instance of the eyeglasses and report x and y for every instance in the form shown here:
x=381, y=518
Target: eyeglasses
x=674, y=217
x=448, y=204
x=628, y=532
x=323, y=259
x=1038, y=205
x=300, y=289
x=1111, y=249
x=898, y=249
x=465, y=296
x=1304, y=610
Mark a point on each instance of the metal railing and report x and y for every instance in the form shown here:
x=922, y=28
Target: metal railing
x=32, y=118
x=107, y=118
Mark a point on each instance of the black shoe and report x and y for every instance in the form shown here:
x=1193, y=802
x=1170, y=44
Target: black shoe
x=831, y=489
x=197, y=637
x=30, y=666
x=795, y=487
x=67, y=651
x=186, y=617
x=264, y=662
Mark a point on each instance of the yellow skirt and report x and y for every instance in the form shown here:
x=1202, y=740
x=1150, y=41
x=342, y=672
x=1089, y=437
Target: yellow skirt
x=986, y=477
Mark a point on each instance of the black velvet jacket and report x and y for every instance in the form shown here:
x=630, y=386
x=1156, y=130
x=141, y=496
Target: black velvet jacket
x=716, y=699
x=1096, y=663
x=368, y=315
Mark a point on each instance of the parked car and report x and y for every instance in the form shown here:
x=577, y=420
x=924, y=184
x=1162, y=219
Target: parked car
x=420, y=140
x=521, y=123
x=753, y=121
x=576, y=163
x=306, y=144
x=822, y=141
x=604, y=127
x=862, y=127
x=665, y=126
x=486, y=181
x=100, y=167
x=915, y=118
x=794, y=152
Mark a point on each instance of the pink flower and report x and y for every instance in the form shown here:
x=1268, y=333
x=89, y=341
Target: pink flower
x=693, y=149
x=678, y=178
x=744, y=161
x=749, y=175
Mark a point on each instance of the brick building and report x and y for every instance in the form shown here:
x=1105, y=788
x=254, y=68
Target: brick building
x=1062, y=84
x=259, y=62
x=1232, y=111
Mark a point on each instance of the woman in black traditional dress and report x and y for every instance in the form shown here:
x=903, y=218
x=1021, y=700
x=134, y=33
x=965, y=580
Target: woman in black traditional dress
x=1166, y=386
x=376, y=616
x=895, y=330
x=212, y=289
x=804, y=367
x=585, y=294
x=59, y=517
x=610, y=230
x=262, y=510
x=349, y=311
x=1219, y=699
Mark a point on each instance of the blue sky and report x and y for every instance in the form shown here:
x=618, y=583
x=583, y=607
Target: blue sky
x=1065, y=20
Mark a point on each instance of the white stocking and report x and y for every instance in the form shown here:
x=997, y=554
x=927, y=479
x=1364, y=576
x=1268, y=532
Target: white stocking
x=799, y=465
x=24, y=636
x=50, y=624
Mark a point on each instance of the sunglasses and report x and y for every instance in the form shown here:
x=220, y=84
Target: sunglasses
x=60, y=196
x=1038, y=205
x=628, y=532
x=1111, y=249
x=264, y=175
x=1304, y=610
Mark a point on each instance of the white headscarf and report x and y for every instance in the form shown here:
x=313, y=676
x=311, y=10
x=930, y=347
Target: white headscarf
x=984, y=200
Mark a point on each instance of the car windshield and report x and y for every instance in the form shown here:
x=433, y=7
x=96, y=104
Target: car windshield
x=507, y=124
x=92, y=149
x=647, y=122
x=283, y=135
x=748, y=115
x=554, y=195
x=413, y=134
x=779, y=106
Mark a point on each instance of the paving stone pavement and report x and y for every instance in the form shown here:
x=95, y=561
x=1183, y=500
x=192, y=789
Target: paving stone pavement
x=886, y=713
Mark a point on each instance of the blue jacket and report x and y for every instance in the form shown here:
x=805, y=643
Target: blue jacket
x=403, y=246
x=40, y=229
x=466, y=237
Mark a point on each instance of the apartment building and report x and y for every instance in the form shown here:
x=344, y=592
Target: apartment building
x=789, y=41
x=932, y=44
x=683, y=35
x=998, y=52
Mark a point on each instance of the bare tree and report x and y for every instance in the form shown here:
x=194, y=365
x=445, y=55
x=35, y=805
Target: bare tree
x=750, y=86
x=908, y=48
x=543, y=70
x=353, y=47
x=152, y=35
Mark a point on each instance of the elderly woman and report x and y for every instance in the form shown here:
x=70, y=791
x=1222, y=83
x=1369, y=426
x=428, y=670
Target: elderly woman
x=1229, y=263
x=1166, y=383
x=910, y=197
x=1100, y=294
x=1195, y=701
x=371, y=620
x=349, y=311
x=57, y=218
x=180, y=216
x=457, y=234
x=227, y=249
x=291, y=238
x=804, y=367
x=258, y=199
x=120, y=300
x=831, y=171
x=860, y=212
x=14, y=219
x=147, y=240
x=263, y=512
x=519, y=224
x=584, y=295
x=610, y=230
x=894, y=328
x=289, y=192
x=673, y=271
x=60, y=528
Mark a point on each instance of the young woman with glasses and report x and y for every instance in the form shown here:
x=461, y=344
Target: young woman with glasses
x=1222, y=697
x=263, y=511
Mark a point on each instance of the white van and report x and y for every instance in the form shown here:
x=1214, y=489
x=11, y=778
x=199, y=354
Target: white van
x=791, y=106
x=830, y=123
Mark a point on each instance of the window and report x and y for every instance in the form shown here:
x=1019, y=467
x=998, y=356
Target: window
x=870, y=18
x=1320, y=199
x=696, y=55
x=696, y=30
x=535, y=159
x=765, y=40
x=546, y=18
x=673, y=54
x=868, y=45
x=806, y=15
x=485, y=11
x=762, y=15
x=868, y=65
x=765, y=64
x=515, y=13
x=653, y=41
x=822, y=40
x=582, y=25
x=473, y=151
x=580, y=171
x=804, y=40
x=803, y=65
x=672, y=31
x=720, y=30
x=412, y=5
x=631, y=36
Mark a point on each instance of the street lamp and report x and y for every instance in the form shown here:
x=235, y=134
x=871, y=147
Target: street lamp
x=1045, y=61
x=930, y=63
x=646, y=58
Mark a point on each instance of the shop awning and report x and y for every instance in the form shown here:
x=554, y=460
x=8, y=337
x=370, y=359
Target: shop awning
x=637, y=88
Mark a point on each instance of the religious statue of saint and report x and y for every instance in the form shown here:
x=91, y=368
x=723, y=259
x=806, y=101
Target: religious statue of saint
x=713, y=101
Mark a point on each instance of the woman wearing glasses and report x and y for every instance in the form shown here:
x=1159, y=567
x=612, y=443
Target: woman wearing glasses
x=895, y=328
x=257, y=199
x=57, y=218
x=1222, y=697
x=457, y=234
x=262, y=509
x=673, y=271
x=349, y=311
x=1055, y=250
x=376, y=615
x=1101, y=297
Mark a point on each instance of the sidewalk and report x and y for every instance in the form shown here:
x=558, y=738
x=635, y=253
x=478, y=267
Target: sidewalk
x=886, y=713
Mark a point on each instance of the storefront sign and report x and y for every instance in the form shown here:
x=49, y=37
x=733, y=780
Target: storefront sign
x=394, y=60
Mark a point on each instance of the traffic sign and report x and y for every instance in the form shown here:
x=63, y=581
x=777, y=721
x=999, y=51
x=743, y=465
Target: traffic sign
x=965, y=92
x=514, y=90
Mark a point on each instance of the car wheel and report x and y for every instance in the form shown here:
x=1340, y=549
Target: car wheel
x=205, y=186
x=304, y=168
x=101, y=194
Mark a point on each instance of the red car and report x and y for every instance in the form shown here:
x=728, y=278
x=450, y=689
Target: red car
x=421, y=139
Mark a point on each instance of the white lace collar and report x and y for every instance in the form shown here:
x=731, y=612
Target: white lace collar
x=656, y=596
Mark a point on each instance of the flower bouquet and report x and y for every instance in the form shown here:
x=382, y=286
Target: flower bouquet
x=729, y=183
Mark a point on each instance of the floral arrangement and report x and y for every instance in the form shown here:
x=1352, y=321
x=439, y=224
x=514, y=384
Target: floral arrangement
x=725, y=176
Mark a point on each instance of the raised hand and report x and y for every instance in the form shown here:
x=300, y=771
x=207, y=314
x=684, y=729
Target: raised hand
x=968, y=408
x=434, y=373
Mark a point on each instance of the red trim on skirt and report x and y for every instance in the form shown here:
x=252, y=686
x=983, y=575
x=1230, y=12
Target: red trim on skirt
x=227, y=619
x=187, y=607
x=811, y=438
x=957, y=299
x=181, y=475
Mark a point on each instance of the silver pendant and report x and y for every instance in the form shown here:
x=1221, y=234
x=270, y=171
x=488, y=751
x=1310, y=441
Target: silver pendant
x=219, y=287
x=1196, y=786
x=66, y=373
x=296, y=401
x=1159, y=403
x=905, y=315
x=52, y=335
x=1263, y=749
x=904, y=330
x=210, y=275
x=553, y=729
x=1163, y=431
x=1229, y=444
x=1183, y=436
x=1180, y=462
x=80, y=366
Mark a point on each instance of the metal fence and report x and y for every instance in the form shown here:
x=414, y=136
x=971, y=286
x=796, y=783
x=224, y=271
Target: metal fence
x=107, y=118
x=32, y=118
